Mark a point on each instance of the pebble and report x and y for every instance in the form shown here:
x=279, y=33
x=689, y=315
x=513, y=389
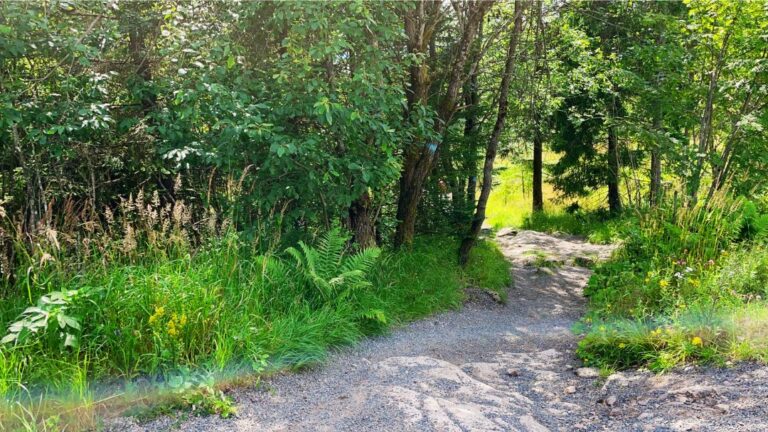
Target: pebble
x=723, y=408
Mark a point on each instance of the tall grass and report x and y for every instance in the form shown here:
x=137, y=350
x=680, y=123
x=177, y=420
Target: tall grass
x=689, y=283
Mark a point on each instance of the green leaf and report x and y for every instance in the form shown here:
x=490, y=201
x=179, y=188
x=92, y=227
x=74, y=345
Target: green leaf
x=71, y=341
x=9, y=338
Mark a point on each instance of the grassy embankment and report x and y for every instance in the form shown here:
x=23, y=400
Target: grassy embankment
x=151, y=324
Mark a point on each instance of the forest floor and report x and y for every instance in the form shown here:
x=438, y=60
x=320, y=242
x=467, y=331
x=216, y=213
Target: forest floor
x=494, y=367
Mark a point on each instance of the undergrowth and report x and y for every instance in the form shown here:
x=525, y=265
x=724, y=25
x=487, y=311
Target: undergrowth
x=221, y=312
x=688, y=284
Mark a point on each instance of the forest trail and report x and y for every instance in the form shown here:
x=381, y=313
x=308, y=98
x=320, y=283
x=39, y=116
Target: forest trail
x=490, y=367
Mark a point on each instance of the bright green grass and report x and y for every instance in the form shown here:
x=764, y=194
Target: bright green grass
x=510, y=202
x=222, y=310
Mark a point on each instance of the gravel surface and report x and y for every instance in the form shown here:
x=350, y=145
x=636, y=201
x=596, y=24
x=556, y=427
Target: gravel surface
x=490, y=367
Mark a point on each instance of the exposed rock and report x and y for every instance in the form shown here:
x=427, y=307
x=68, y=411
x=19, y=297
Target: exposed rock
x=695, y=392
x=587, y=372
x=506, y=232
x=570, y=390
x=494, y=295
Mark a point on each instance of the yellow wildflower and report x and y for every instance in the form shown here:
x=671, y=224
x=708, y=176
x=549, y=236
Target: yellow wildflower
x=663, y=283
x=172, y=331
x=697, y=341
x=159, y=312
x=183, y=320
x=622, y=345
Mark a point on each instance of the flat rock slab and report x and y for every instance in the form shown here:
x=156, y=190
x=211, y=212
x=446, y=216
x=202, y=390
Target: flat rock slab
x=493, y=368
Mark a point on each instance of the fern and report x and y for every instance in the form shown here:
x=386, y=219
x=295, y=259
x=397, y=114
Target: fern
x=329, y=270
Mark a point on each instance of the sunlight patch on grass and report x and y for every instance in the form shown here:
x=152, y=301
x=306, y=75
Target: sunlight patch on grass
x=510, y=202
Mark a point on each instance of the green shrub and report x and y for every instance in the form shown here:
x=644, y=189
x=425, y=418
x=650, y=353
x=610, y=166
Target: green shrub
x=664, y=258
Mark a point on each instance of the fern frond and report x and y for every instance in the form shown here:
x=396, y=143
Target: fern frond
x=328, y=270
x=363, y=260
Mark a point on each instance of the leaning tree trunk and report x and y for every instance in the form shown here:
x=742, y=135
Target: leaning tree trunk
x=490, y=153
x=420, y=156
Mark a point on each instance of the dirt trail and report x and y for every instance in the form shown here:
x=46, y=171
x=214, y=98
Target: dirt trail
x=496, y=368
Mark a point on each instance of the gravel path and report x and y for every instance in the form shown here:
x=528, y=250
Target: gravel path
x=495, y=368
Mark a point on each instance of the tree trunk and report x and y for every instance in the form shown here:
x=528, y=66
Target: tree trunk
x=705, y=131
x=471, y=191
x=471, y=131
x=538, y=180
x=362, y=222
x=538, y=145
x=614, y=197
x=655, y=193
x=490, y=153
x=721, y=171
x=420, y=156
